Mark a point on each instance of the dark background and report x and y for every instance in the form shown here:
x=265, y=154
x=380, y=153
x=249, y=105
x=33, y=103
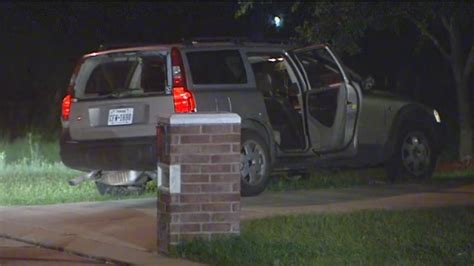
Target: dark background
x=41, y=42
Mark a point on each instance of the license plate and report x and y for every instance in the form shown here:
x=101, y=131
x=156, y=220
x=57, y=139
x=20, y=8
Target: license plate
x=121, y=116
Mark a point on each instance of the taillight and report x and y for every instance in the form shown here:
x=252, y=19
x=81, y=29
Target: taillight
x=66, y=107
x=182, y=97
x=67, y=100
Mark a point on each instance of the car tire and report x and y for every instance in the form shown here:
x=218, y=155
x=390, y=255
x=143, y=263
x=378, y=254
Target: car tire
x=110, y=190
x=414, y=155
x=254, y=164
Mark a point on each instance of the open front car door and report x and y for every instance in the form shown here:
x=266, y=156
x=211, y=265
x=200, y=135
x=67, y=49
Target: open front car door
x=331, y=104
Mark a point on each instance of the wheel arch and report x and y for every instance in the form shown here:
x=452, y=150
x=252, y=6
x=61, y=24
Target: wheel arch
x=413, y=113
x=261, y=130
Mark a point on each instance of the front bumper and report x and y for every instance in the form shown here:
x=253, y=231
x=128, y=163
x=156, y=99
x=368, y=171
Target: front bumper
x=110, y=154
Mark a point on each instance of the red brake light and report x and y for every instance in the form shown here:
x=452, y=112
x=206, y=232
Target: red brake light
x=183, y=98
x=66, y=107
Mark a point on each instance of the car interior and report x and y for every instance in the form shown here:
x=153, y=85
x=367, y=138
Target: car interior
x=283, y=107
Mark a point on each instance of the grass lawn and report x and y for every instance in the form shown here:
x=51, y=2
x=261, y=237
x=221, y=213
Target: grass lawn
x=360, y=177
x=31, y=174
x=443, y=236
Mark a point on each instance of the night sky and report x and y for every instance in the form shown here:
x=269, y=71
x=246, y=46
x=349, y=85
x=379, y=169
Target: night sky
x=41, y=42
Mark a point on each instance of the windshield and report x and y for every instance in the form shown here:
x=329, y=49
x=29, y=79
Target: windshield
x=119, y=75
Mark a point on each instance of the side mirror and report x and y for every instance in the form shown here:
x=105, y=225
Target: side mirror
x=368, y=83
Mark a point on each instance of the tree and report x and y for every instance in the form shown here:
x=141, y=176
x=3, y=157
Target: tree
x=457, y=50
x=446, y=25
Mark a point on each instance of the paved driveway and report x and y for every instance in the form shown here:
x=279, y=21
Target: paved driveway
x=125, y=230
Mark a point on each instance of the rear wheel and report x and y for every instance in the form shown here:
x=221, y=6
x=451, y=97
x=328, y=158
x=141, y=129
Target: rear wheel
x=254, y=164
x=414, y=156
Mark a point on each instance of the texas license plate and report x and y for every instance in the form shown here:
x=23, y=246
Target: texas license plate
x=120, y=116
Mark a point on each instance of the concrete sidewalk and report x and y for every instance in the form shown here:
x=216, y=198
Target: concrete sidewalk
x=125, y=231
x=14, y=252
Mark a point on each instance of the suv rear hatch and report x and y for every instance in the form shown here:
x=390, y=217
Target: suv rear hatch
x=114, y=107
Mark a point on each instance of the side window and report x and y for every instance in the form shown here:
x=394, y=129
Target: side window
x=321, y=69
x=272, y=74
x=153, y=78
x=217, y=67
x=324, y=77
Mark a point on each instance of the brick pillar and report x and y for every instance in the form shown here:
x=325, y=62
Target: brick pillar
x=198, y=177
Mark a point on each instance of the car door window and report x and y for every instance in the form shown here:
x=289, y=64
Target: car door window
x=324, y=76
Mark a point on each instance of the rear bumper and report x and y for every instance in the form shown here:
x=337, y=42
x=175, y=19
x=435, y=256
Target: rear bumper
x=111, y=154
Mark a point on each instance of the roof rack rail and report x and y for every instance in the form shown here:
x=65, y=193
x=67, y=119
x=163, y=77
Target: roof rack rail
x=237, y=40
x=118, y=45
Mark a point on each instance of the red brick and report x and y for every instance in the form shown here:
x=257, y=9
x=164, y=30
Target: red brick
x=228, y=138
x=190, y=168
x=235, y=168
x=167, y=198
x=216, y=168
x=190, y=139
x=175, y=208
x=225, y=197
x=193, y=158
x=236, y=148
x=227, y=178
x=194, y=178
x=175, y=218
x=216, y=148
x=194, y=198
x=225, y=158
x=174, y=140
x=164, y=218
x=188, y=129
x=184, y=149
x=193, y=188
x=236, y=128
x=225, y=217
x=236, y=187
x=191, y=236
x=216, y=188
x=217, y=129
x=195, y=217
x=216, y=207
x=216, y=227
x=185, y=228
x=235, y=207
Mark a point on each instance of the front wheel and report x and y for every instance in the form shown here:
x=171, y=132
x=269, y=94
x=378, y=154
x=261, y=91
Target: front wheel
x=414, y=156
x=254, y=164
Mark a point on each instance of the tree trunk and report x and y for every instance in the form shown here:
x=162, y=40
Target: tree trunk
x=465, y=124
x=461, y=78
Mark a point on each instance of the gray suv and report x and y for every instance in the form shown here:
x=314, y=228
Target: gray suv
x=301, y=108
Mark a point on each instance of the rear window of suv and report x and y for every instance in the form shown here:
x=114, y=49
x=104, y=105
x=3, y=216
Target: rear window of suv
x=122, y=74
x=217, y=67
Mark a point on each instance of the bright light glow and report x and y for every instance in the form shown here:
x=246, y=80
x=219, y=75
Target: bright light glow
x=437, y=116
x=277, y=21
